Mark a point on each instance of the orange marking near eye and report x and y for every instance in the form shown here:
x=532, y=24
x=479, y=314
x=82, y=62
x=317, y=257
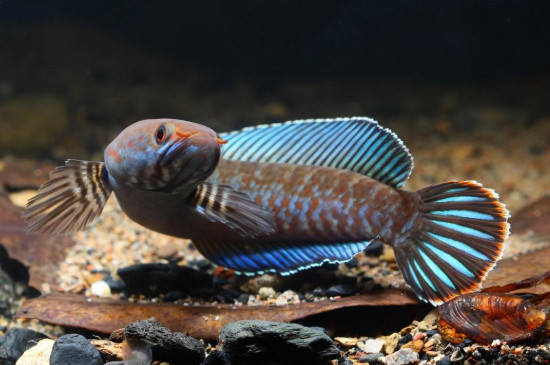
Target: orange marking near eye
x=221, y=141
x=183, y=134
x=115, y=155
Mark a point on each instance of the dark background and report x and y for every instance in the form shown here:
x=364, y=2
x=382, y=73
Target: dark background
x=228, y=64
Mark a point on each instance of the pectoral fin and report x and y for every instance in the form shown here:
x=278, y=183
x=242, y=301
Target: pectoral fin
x=237, y=210
x=73, y=197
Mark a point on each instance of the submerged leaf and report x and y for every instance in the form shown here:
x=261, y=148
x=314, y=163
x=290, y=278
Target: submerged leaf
x=205, y=321
x=493, y=314
x=41, y=253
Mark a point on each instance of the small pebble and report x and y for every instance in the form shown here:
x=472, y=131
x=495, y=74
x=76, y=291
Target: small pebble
x=101, y=289
x=392, y=341
x=267, y=293
x=402, y=357
x=371, y=346
x=346, y=341
x=37, y=355
x=342, y=290
x=371, y=358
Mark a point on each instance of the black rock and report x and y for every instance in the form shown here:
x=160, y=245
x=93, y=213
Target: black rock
x=204, y=293
x=172, y=347
x=255, y=342
x=217, y=357
x=342, y=290
x=352, y=263
x=74, y=349
x=344, y=361
x=172, y=296
x=445, y=361
x=371, y=358
x=155, y=279
x=243, y=298
x=116, y=286
x=405, y=338
x=15, y=342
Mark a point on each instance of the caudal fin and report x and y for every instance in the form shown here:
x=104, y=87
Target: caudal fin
x=460, y=238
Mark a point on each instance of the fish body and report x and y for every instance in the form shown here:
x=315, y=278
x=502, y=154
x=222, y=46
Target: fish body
x=285, y=197
x=321, y=204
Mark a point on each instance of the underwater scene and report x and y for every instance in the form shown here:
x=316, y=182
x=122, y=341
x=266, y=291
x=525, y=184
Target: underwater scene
x=329, y=182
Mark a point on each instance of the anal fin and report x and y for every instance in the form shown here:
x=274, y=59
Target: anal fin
x=251, y=258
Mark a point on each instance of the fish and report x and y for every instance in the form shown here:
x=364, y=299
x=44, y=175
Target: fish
x=285, y=197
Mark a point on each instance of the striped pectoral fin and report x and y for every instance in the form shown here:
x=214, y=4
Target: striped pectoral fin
x=236, y=209
x=251, y=258
x=72, y=198
x=356, y=144
x=462, y=234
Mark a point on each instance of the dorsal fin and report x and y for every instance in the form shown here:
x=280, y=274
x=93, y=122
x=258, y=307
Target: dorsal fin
x=358, y=144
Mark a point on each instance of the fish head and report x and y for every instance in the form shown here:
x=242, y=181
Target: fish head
x=163, y=154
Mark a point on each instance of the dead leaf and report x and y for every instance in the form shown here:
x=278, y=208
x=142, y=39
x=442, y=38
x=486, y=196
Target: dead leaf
x=24, y=174
x=495, y=314
x=517, y=268
x=205, y=321
x=533, y=218
x=40, y=253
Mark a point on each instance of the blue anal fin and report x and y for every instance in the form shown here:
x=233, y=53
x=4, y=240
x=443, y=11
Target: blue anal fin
x=283, y=258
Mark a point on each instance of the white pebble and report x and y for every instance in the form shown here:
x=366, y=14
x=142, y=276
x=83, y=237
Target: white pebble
x=101, y=289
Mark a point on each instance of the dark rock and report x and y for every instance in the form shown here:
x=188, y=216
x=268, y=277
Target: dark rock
x=243, y=298
x=342, y=290
x=15, y=342
x=74, y=349
x=116, y=286
x=344, y=361
x=466, y=342
x=230, y=294
x=155, y=279
x=371, y=358
x=172, y=296
x=217, y=357
x=319, y=292
x=254, y=342
x=203, y=293
x=321, y=329
x=173, y=347
x=445, y=361
x=405, y=338
x=431, y=332
x=353, y=263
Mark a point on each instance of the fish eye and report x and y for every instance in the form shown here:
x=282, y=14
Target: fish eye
x=160, y=134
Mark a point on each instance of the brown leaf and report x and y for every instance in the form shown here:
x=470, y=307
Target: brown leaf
x=205, y=321
x=533, y=218
x=41, y=253
x=485, y=317
x=518, y=285
x=24, y=174
x=516, y=269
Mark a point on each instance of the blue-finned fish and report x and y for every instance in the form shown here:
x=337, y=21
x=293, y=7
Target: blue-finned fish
x=285, y=197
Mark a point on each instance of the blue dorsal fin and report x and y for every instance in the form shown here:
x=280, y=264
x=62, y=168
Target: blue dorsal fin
x=285, y=259
x=358, y=144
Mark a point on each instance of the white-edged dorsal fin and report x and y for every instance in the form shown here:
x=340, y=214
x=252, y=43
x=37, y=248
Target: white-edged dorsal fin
x=357, y=144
